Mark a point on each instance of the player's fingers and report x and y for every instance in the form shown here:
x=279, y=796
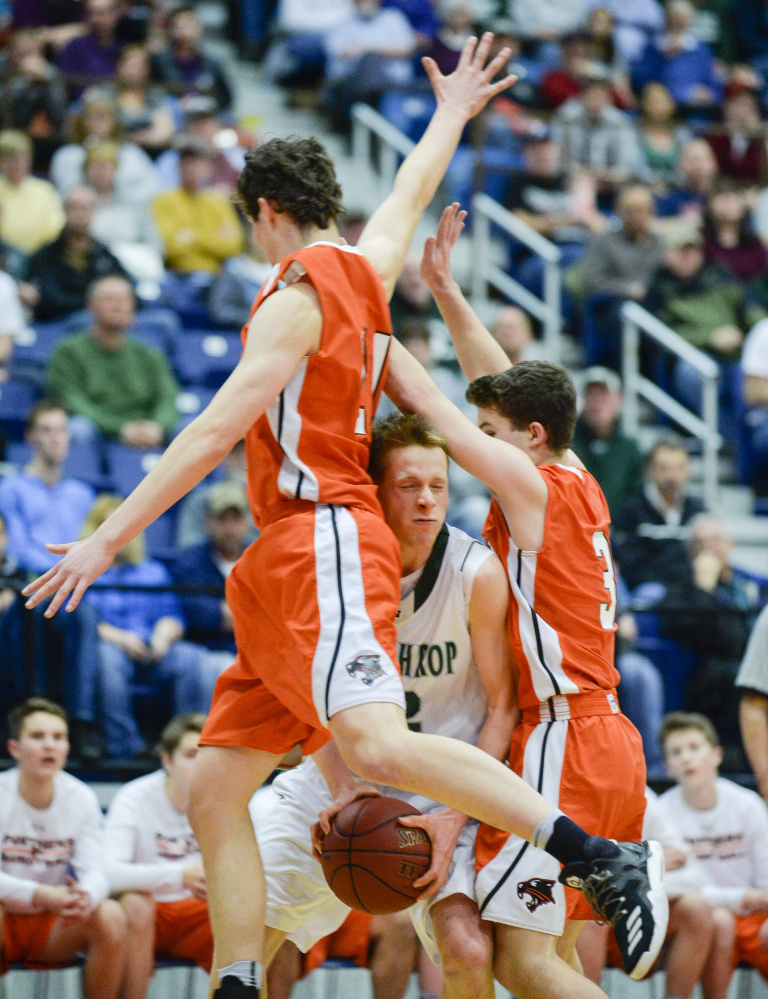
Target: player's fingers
x=498, y=62
x=40, y=581
x=467, y=52
x=502, y=85
x=77, y=596
x=63, y=592
x=482, y=50
x=432, y=70
x=45, y=590
x=60, y=549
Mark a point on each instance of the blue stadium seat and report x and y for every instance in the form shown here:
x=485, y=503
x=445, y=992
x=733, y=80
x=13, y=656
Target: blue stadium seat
x=38, y=342
x=673, y=661
x=206, y=359
x=16, y=399
x=408, y=112
x=190, y=402
x=128, y=465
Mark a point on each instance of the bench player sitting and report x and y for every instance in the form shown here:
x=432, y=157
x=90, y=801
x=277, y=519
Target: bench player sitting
x=53, y=889
x=154, y=865
x=725, y=827
x=458, y=675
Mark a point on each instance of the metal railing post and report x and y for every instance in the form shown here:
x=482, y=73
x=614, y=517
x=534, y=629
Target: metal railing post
x=361, y=145
x=553, y=282
x=709, y=413
x=481, y=233
x=630, y=368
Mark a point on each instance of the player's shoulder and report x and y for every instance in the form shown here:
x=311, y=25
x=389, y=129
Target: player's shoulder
x=739, y=797
x=141, y=787
x=75, y=792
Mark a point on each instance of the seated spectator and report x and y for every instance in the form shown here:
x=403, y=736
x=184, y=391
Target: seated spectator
x=752, y=684
x=227, y=523
x=183, y=67
x=513, y=331
x=689, y=940
x=600, y=31
x=367, y=54
x=199, y=227
x=702, y=303
x=61, y=273
x=750, y=25
x=137, y=179
x=233, y=292
x=54, y=890
x=550, y=19
x=456, y=25
x=694, y=182
x=92, y=57
x=40, y=506
x=296, y=57
x=154, y=865
x=728, y=236
x=411, y=300
x=33, y=98
x=725, y=828
x=754, y=369
x=422, y=17
x=565, y=80
x=636, y=22
x=596, y=136
x=125, y=228
x=662, y=139
x=680, y=61
x=545, y=197
x=712, y=612
x=140, y=639
x=623, y=262
x=110, y=382
x=613, y=458
x=30, y=209
x=740, y=144
x=145, y=114
x=650, y=531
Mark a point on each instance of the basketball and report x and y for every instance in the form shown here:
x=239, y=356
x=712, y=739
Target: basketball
x=370, y=861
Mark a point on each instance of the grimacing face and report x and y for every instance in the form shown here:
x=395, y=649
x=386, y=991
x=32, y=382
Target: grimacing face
x=413, y=493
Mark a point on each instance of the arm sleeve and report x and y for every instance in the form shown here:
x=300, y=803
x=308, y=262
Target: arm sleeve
x=64, y=381
x=88, y=858
x=119, y=850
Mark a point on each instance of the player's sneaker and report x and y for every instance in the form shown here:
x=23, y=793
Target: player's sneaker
x=232, y=988
x=625, y=889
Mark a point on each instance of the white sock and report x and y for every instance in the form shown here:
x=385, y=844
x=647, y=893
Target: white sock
x=249, y=972
x=544, y=829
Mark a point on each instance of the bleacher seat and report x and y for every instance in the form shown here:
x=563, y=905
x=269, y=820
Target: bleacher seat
x=128, y=465
x=16, y=399
x=192, y=401
x=673, y=661
x=205, y=358
x=34, y=347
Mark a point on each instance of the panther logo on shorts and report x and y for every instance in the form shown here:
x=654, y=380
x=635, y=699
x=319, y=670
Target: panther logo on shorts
x=540, y=890
x=368, y=668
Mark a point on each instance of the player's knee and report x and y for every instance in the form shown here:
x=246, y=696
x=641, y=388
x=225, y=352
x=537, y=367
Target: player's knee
x=467, y=959
x=696, y=914
x=110, y=925
x=725, y=928
x=140, y=910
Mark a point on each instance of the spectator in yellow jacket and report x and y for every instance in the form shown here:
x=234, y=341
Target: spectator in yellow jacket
x=32, y=213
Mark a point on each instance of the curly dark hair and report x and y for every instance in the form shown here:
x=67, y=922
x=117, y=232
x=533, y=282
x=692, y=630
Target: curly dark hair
x=297, y=175
x=531, y=392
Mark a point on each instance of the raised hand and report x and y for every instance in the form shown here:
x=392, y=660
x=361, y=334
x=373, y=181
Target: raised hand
x=436, y=261
x=469, y=88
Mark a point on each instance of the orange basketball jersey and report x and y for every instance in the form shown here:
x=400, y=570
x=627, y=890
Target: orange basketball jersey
x=561, y=621
x=313, y=442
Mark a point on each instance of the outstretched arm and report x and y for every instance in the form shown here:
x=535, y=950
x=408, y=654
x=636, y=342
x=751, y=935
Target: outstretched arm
x=387, y=236
x=477, y=351
x=509, y=473
x=285, y=329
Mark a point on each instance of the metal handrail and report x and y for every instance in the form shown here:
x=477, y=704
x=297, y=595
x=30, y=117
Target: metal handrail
x=486, y=274
x=367, y=123
x=636, y=321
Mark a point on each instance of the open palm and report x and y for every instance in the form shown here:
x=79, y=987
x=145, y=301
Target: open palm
x=436, y=261
x=469, y=87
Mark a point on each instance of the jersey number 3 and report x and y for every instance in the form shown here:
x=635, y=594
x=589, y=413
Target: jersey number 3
x=607, y=608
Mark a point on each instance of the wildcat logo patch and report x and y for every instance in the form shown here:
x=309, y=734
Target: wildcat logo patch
x=539, y=890
x=367, y=668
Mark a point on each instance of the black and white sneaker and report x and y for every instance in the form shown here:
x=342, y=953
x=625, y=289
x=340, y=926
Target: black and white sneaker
x=232, y=988
x=625, y=889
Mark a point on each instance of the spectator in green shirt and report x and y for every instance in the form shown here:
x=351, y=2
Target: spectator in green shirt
x=613, y=458
x=109, y=382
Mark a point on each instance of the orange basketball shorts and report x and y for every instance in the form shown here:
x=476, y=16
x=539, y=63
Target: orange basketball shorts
x=183, y=931
x=592, y=767
x=24, y=938
x=314, y=601
x=349, y=942
x=747, y=947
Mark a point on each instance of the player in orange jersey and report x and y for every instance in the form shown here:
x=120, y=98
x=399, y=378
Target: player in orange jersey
x=314, y=599
x=549, y=525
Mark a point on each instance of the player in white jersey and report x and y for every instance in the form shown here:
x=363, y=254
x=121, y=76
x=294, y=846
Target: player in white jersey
x=457, y=671
x=154, y=864
x=53, y=890
x=725, y=827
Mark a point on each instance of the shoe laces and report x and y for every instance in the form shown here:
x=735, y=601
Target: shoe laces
x=605, y=899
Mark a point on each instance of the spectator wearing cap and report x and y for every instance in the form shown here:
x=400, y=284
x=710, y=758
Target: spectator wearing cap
x=31, y=214
x=740, y=144
x=110, y=382
x=92, y=57
x=228, y=524
x=699, y=300
x=190, y=529
x=198, y=226
x=650, y=531
x=609, y=454
x=183, y=68
x=596, y=136
x=680, y=61
x=61, y=273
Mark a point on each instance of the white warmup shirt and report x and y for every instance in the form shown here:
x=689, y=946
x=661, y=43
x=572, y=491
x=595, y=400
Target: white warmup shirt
x=47, y=845
x=657, y=825
x=148, y=843
x=729, y=841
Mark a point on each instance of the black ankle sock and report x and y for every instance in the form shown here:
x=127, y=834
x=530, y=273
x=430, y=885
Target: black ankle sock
x=233, y=988
x=567, y=841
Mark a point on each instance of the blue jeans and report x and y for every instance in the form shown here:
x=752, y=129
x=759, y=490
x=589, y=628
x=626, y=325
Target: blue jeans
x=641, y=693
x=182, y=669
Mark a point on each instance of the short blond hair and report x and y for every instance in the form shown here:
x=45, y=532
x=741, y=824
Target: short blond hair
x=399, y=431
x=105, y=504
x=684, y=721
